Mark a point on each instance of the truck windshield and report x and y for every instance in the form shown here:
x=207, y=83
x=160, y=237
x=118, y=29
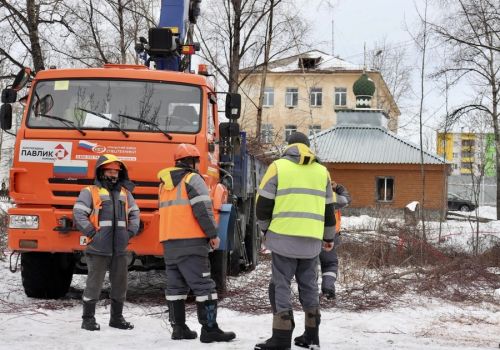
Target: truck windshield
x=116, y=105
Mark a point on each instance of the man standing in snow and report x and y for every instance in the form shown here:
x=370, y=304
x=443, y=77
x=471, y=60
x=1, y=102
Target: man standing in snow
x=329, y=260
x=107, y=214
x=187, y=229
x=295, y=210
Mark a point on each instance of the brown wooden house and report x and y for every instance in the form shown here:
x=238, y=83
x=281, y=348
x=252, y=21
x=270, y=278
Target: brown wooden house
x=380, y=169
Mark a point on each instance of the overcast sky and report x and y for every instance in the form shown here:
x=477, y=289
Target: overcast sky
x=371, y=21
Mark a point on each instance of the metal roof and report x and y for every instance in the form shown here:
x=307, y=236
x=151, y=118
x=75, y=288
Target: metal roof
x=368, y=144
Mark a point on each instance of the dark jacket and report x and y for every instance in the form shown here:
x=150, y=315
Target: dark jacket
x=118, y=227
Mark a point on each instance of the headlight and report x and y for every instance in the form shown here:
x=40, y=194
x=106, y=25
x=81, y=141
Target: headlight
x=23, y=221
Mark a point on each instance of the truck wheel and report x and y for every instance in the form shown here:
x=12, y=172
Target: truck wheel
x=236, y=256
x=218, y=269
x=46, y=275
x=252, y=238
x=252, y=243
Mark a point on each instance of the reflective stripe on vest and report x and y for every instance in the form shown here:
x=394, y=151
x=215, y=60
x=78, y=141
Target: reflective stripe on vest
x=177, y=220
x=100, y=195
x=299, y=207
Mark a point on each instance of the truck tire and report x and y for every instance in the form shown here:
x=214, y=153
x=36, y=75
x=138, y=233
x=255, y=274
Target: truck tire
x=218, y=269
x=252, y=242
x=46, y=275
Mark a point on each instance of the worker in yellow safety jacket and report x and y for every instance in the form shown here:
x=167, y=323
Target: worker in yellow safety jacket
x=295, y=211
x=187, y=231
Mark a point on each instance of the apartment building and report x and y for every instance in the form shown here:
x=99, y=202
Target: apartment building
x=304, y=92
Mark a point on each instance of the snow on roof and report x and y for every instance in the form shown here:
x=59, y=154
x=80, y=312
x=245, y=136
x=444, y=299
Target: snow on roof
x=324, y=63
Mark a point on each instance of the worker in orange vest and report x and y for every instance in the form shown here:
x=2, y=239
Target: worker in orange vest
x=329, y=260
x=107, y=214
x=187, y=231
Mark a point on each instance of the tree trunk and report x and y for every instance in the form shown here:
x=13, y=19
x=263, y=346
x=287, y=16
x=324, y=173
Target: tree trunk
x=123, y=52
x=234, y=68
x=267, y=50
x=36, y=50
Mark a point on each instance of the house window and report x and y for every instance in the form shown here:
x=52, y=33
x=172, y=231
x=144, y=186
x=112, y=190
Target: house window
x=268, y=97
x=316, y=97
x=340, y=96
x=385, y=189
x=289, y=129
x=267, y=133
x=291, y=97
x=314, y=129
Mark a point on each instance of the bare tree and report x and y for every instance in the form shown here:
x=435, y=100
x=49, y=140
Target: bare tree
x=470, y=31
x=392, y=63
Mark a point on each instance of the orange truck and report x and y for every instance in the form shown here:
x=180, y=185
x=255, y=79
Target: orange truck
x=72, y=116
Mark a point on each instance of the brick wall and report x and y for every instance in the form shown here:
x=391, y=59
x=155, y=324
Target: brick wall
x=360, y=179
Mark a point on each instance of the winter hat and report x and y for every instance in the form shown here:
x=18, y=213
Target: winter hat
x=298, y=137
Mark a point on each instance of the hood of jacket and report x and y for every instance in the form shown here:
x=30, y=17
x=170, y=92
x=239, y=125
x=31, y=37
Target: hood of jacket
x=123, y=179
x=300, y=154
x=173, y=175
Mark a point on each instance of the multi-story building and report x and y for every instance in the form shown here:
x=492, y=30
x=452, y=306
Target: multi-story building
x=303, y=93
x=467, y=151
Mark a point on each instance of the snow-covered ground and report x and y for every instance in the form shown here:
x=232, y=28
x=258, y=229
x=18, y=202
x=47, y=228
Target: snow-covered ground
x=411, y=322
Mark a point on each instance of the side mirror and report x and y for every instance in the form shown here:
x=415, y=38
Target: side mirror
x=21, y=79
x=6, y=116
x=9, y=95
x=233, y=106
x=229, y=130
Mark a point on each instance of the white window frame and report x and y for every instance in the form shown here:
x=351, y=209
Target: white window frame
x=289, y=129
x=316, y=97
x=340, y=97
x=268, y=97
x=315, y=127
x=388, y=184
x=292, y=97
x=267, y=133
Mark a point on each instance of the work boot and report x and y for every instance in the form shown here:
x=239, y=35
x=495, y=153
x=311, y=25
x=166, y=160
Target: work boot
x=210, y=331
x=117, y=320
x=328, y=285
x=89, y=322
x=281, y=339
x=177, y=318
x=310, y=338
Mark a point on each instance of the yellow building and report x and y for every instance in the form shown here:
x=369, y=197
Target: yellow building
x=467, y=151
x=303, y=92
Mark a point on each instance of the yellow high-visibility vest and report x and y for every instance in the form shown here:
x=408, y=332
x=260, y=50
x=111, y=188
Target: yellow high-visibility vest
x=299, y=205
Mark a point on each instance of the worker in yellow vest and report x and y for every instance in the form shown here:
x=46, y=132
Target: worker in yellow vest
x=295, y=210
x=329, y=260
x=187, y=231
x=106, y=213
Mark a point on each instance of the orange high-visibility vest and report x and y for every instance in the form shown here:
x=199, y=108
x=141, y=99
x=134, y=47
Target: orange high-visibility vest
x=337, y=219
x=97, y=195
x=177, y=220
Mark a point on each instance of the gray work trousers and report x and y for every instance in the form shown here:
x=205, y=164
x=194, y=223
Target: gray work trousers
x=329, y=262
x=305, y=272
x=189, y=272
x=118, y=274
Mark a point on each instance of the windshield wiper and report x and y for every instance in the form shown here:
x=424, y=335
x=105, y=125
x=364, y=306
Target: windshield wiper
x=147, y=122
x=65, y=121
x=100, y=115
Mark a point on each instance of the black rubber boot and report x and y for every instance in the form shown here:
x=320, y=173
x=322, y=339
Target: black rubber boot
x=88, y=316
x=210, y=331
x=177, y=318
x=310, y=338
x=281, y=339
x=117, y=320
